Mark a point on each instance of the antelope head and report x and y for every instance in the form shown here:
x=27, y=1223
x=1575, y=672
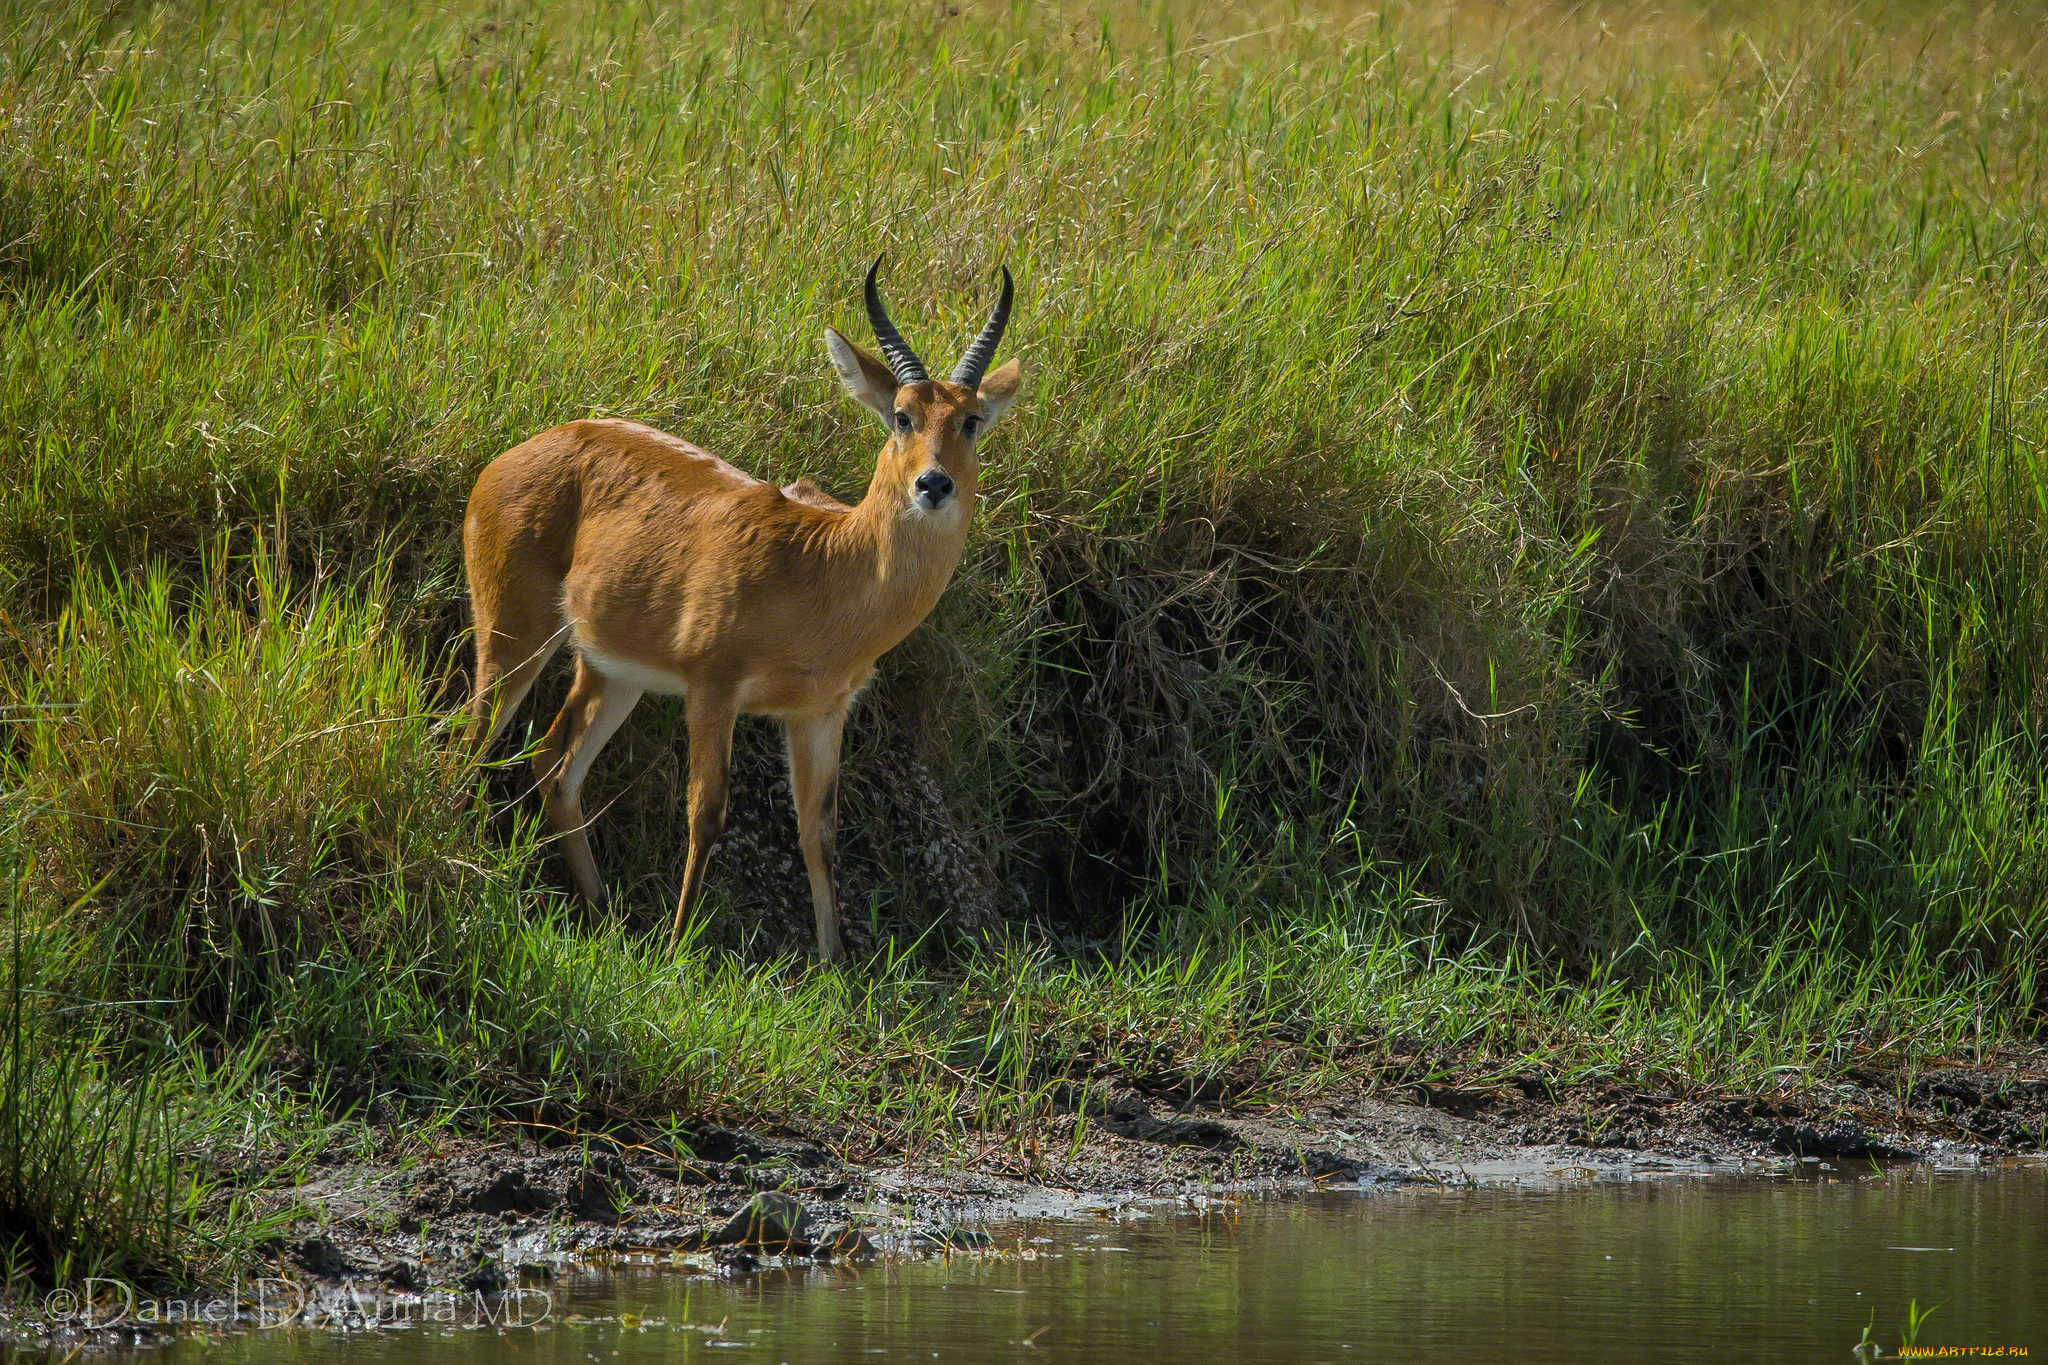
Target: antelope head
x=933, y=425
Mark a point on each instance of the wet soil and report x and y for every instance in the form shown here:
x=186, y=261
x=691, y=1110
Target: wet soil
x=429, y=1213
x=469, y=1213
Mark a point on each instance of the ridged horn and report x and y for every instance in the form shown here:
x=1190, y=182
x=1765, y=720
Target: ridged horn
x=903, y=361
x=968, y=371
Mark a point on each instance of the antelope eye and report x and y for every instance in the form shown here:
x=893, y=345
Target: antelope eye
x=967, y=427
x=902, y=420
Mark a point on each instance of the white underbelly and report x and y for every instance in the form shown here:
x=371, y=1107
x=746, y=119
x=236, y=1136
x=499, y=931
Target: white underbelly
x=658, y=680
x=755, y=695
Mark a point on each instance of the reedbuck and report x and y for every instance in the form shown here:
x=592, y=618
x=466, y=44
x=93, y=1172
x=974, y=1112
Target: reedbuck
x=670, y=570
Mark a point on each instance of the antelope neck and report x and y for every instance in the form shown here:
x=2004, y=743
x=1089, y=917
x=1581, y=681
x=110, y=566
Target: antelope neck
x=897, y=553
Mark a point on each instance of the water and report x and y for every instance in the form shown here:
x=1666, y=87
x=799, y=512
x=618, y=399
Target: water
x=1775, y=1269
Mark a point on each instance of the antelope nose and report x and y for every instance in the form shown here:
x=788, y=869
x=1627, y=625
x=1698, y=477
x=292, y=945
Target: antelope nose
x=934, y=486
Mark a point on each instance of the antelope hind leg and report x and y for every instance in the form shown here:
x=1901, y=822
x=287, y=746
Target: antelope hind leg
x=506, y=666
x=595, y=709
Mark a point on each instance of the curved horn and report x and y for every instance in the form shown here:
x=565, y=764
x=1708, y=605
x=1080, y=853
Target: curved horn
x=968, y=371
x=903, y=361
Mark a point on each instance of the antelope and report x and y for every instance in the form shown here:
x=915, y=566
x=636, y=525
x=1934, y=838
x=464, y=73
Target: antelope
x=670, y=571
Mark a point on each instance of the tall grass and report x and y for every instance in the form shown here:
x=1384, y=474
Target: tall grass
x=108, y=1139
x=1444, y=407
x=231, y=778
x=1522, y=547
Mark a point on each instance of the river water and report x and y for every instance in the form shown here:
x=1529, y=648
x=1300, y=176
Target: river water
x=1786, y=1268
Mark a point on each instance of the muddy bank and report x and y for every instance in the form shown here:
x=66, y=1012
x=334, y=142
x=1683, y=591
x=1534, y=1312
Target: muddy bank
x=470, y=1214
x=461, y=1217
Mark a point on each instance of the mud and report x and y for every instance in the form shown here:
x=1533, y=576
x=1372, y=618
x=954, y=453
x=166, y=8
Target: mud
x=432, y=1214
x=472, y=1213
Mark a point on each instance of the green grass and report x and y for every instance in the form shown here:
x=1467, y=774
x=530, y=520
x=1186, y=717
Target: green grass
x=111, y=1139
x=1522, y=547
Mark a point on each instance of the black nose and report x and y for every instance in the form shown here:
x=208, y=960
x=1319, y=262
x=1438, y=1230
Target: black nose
x=934, y=486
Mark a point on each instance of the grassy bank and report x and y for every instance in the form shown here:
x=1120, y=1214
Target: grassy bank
x=1521, y=549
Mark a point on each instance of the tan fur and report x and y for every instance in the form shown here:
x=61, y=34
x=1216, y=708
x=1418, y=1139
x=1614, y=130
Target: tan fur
x=669, y=569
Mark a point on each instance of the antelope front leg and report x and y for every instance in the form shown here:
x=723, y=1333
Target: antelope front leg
x=710, y=714
x=814, y=783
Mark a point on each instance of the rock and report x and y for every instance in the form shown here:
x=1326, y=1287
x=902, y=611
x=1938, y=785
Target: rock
x=770, y=1220
x=323, y=1257
x=1322, y=1164
x=1177, y=1132
x=677, y=1239
x=721, y=1145
x=600, y=1190
x=840, y=1240
x=501, y=1189
x=487, y=1278
x=953, y=1239
x=1833, y=1138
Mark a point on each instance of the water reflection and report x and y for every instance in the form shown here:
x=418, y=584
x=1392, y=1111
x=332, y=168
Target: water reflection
x=1760, y=1269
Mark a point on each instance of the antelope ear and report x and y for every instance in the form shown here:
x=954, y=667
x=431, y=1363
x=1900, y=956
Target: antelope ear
x=999, y=389
x=867, y=379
